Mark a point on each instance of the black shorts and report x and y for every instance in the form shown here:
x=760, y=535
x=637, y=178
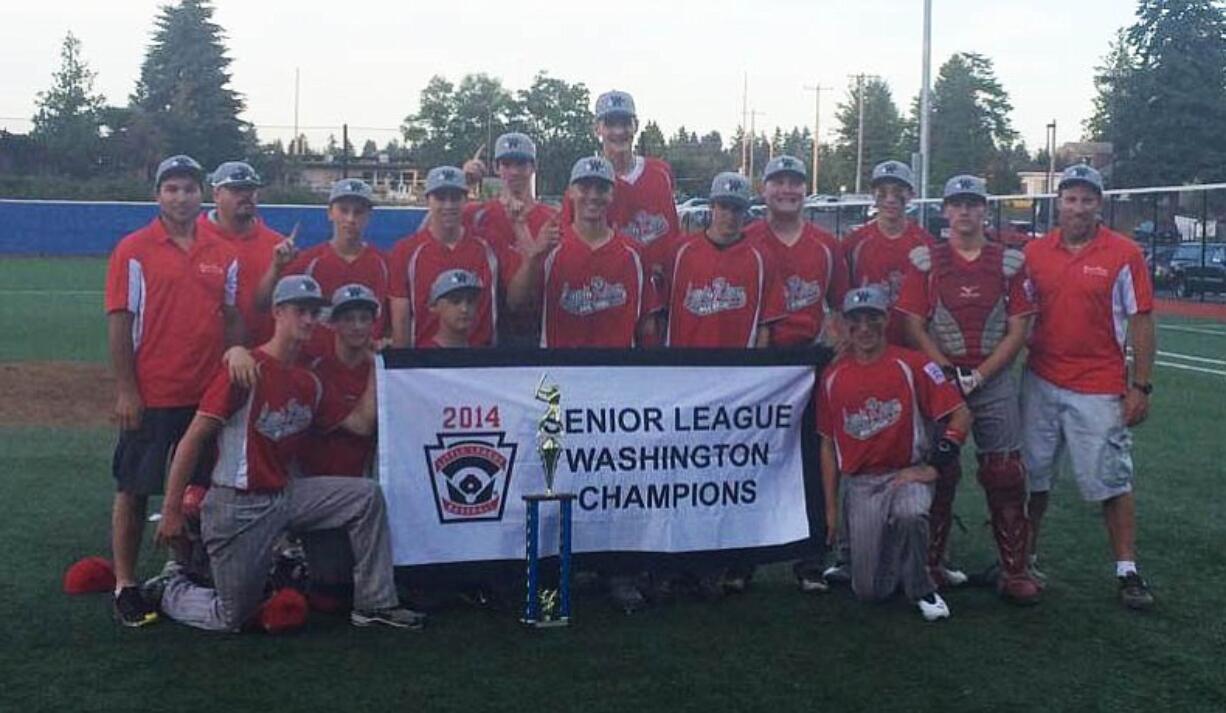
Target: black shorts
x=142, y=457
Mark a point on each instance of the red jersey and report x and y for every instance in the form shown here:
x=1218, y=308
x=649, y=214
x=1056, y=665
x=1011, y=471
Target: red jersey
x=255, y=253
x=420, y=258
x=813, y=275
x=644, y=209
x=332, y=272
x=331, y=450
x=176, y=298
x=720, y=296
x=875, y=414
x=595, y=297
x=263, y=428
x=1084, y=300
x=874, y=259
x=968, y=302
x=491, y=222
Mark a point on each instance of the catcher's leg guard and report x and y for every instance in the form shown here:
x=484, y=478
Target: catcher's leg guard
x=1004, y=482
x=940, y=519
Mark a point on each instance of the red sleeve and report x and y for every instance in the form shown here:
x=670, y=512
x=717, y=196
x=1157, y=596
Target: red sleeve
x=937, y=395
x=221, y=399
x=774, y=297
x=117, y=279
x=1017, y=297
x=913, y=296
x=1141, y=286
x=397, y=284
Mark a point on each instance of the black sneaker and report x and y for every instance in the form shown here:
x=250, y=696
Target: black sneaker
x=131, y=609
x=1134, y=592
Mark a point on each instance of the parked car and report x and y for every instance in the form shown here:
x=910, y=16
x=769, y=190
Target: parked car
x=1199, y=269
x=694, y=202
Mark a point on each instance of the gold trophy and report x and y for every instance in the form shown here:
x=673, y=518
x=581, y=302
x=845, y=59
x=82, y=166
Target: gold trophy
x=547, y=607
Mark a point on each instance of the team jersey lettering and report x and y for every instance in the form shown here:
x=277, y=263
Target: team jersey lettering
x=872, y=418
x=596, y=296
x=646, y=227
x=717, y=297
x=293, y=418
x=800, y=293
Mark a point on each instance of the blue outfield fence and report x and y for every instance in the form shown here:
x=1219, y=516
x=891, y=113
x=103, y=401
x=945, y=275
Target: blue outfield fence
x=32, y=227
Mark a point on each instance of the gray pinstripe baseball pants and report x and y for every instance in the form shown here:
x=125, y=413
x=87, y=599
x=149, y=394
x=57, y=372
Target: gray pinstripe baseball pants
x=887, y=533
x=239, y=530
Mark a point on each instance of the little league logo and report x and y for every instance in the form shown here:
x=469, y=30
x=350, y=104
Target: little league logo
x=596, y=296
x=800, y=293
x=471, y=475
x=646, y=227
x=719, y=296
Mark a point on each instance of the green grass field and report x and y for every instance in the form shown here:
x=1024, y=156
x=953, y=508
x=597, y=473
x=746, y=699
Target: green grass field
x=772, y=649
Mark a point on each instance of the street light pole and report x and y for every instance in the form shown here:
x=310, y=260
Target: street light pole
x=925, y=107
x=817, y=90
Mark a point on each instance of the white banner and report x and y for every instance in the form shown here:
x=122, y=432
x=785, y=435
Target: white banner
x=662, y=458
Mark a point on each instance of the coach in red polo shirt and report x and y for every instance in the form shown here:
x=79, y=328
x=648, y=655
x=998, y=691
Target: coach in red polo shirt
x=1094, y=295
x=442, y=244
x=171, y=292
x=235, y=219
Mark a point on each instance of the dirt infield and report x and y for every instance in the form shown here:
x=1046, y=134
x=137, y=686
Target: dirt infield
x=1183, y=308
x=55, y=394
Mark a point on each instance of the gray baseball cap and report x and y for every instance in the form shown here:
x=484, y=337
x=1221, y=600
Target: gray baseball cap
x=236, y=174
x=351, y=188
x=298, y=288
x=596, y=167
x=1081, y=173
x=443, y=178
x=868, y=297
x=893, y=171
x=353, y=295
x=614, y=103
x=450, y=281
x=179, y=164
x=966, y=185
x=780, y=165
x=514, y=145
x=730, y=187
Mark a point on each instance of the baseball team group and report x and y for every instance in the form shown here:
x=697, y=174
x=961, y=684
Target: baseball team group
x=246, y=387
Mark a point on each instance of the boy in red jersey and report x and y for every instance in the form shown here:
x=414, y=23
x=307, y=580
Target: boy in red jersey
x=965, y=307
x=592, y=288
x=442, y=244
x=346, y=257
x=259, y=433
x=874, y=406
x=171, y=296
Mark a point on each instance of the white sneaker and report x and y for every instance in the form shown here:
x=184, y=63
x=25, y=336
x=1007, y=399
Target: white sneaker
x=839, y=573
x=933, y=607
x=954, y=577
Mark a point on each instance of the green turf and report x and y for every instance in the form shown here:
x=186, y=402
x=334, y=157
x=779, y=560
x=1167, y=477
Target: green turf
x=773, y=649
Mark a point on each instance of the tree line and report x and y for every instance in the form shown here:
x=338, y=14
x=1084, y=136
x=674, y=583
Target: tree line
x=1160, y=100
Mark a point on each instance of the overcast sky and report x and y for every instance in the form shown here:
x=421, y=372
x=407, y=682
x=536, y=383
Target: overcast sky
x=364, y=62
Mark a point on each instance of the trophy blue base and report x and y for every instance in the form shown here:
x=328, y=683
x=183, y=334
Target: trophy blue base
x=534, y=614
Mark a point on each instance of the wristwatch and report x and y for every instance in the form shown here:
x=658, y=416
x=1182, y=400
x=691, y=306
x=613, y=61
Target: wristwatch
x=1146, y=389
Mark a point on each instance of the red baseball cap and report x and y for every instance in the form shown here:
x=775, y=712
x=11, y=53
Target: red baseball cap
x=89, y=575
x=285, y=611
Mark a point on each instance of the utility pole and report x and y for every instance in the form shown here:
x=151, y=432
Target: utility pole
x=744, y=126
x=344, y=150
x=753, y=134
x=295, y=148
x=860, y=128
x=925, y=109
x=817, y=90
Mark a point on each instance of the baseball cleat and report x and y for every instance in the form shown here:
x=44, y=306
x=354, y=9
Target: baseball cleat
x=839, y=573
x=132, y=610
x=933, y=607
x=1134, y=592
x=395, y=617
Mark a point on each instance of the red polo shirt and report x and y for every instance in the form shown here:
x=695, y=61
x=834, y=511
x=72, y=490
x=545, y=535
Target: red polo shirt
x=1085, y=299
x=255, y=250
x=175, y=297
